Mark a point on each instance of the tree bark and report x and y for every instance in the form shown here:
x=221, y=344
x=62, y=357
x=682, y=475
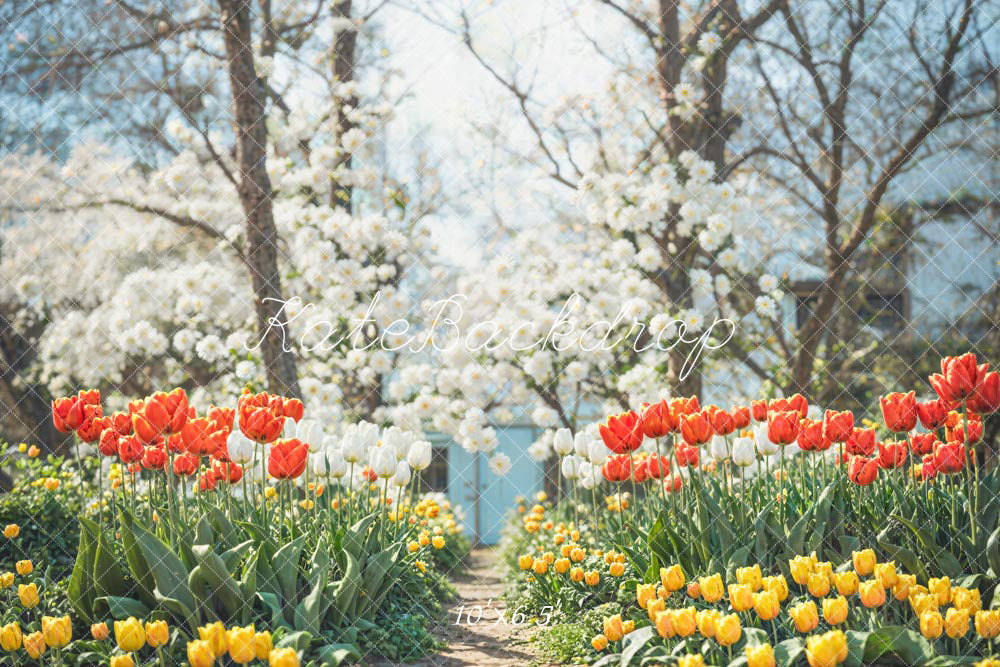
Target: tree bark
x=344, y=44
x=255, y=193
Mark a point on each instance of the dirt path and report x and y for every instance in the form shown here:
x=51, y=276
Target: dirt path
x=490, y=641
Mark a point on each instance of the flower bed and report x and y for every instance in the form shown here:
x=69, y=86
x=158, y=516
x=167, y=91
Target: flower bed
x=210, y=544
x=761, y=536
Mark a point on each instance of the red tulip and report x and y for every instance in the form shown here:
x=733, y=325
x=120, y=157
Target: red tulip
x=657, y=420
x=207, y=481
x=640, y=473
x=949, y=457
x=121, y=422
x=223, y=418
x=227, y=471
x=838, y=426
x=986, y=400
x=923, y=443
x=154, y=458
x=687, y=455
x=130, y=449
x=782, y=427
x=293, y=408
x=160, y=414
x=810, y=436
x=759, y=410
x=287, y=459
x=696, y=428
x=721, y=421
x=617, y=468
x=932, y=413
x=673, y=483
x=899, y=411
x=201, y=437
x=891, y=454
x=93, y=424
x=958, y=378
x=186, y=464
x=862, y=471
x=927, y=469
x=861, y=442
x=684, y=406
x=262, y=425
x=108, y=443
x=658, y=466
x=741, y=416
x=957, y=432
x=622, y=433
x=796, y=403
x=67, y=413
x=369, y=473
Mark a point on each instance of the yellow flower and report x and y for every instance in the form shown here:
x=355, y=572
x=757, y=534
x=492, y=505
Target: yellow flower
x=988, y=624
x=672, y=578
x=776, y=585
x=28, y=595
x=33, y=452
x=872, y=594
x=129, y=634
x=262, y=645
x=760, y=656
x=805, y=616
x=921, y=602
x=728, y=630
x=549, y=557
x=24, y=567
x=694, y=590
x=801, y=567
x=241, y=644
x=525, y=562
x=561, y=565
x=904, y=582
x=51, y=483
x=968, y=599
x=707, y=620
x=99, y=631
x=749, y=576
x=864, y=561
x=576, y=574
x=931, y=624
x=684, y=620
x=437, y=542
x=11, y=530
x=740, y=597
x=835, y=610
x=628, y=626
x=541, y=567
x=846, y=582
x=23, y=447
x=58, y=630
x=6, y=580
x=592, y=578
x=34, y=645
x=886, y=574
x=121, y=661
x=614, y=629
x=654, y=607
x=599, y=642
x=693, y=660
x=818, y=584
x=644, y=593
x=664, y=624
x=956, y=623
x=766, y=604
x=157, y=633
x=541, y=497
x=200, y=653
x=826, y=650
x=577, y=554
x=711, y=588
x=616, y=570
x=941, y=588
x=10, y=637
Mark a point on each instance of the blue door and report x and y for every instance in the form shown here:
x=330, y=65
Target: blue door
x=486, y=499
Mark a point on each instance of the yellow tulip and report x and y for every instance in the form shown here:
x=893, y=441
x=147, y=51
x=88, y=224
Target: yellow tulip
x=577, y=554
x=760, y=656
x=51, y=483
x=628, y=626
x=711, y=587
x=283, y=657
x=750, y=576
x=988, y=624
x=835, y=610
x=200, y=653
x=904, y=582
x=99, y=631
x=941, y=588
x=685, y=621
x=6, y=580
x=826, y=650
x=672, y=578
x=24, y=567
x=540, y=566
x=576, y=574
x=10, y=637
x=776, y=585
x=157, y=633
x=846, y=582
x=241, y=644
x=921, y=602
x=801, y=567
x=58, y=631
x=548, y=557
x=121, y=661
x=886, y=574
x=616, y=569
x=818, y=584
x=693, y=660
x=34, y=645
x=931, y=624
x=864, y=562
x=872, y=594
x=11, y=530
x=728, y=630
x=28, y=594
x=824, y=568
x=129, y=634
x=694, y=590
x=967, y=599
x=766, y=604
x=561, y=565
x=706, y=620
x=614, y=629
x=956, y=623
x=655, y=606
x=664, y=624
x=805, y=616
x=525, y=562
x=740, y=597
x=599, y=642
x=644, y=593
x=437, y=542
x=262, y=645
x=592, y=578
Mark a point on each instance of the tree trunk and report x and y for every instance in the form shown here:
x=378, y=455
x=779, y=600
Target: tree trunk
x=255, y=193
x=344, y=43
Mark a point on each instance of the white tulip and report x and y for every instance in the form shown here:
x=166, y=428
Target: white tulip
x=743, y=452
x=354, y=448
x=331, y=442
x=581, y=444
x=590, y=476
x=569, y=467
x=598, y=452
x=718, y=448
x=764, y=444
x=420, y=455
x=562, y=443
x=369, y=434
x=402, y=475
x=335, y=462
x=383, y=461
x=240, y=448
x=310, y=431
